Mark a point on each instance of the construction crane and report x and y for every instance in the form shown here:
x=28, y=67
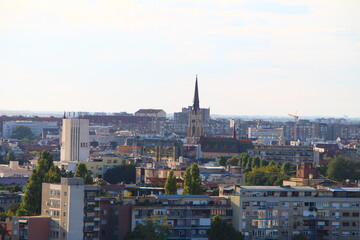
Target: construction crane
x=296, y=117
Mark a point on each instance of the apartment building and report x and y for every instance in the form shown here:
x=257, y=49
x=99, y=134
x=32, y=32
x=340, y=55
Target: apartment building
x=73, y=208
x=286, y=153
x=272, y=212
x=189, y=215
x=30, y=227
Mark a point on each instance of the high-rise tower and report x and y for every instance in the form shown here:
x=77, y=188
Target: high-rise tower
x=195, y=126
x=75, y=144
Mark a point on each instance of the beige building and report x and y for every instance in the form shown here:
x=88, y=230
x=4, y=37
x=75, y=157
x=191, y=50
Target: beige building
x=73, y=208
x=98, y=166
x=14, y=170
x=272, y=212
x=75, y=144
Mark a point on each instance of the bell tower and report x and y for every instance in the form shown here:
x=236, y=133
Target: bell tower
x=195, y=126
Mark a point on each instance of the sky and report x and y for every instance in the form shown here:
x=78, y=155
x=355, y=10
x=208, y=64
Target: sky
x=252, y=57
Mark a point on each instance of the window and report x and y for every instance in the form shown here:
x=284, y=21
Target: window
x=346, y=224
x=65, y=193
x=346, y=214
x=307, y=194
x=355, y=214
x=64, y=214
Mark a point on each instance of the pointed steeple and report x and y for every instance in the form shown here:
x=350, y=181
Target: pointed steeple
x=196, y=105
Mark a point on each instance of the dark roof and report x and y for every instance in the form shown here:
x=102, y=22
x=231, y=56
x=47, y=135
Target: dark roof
x=13, y=180
x=149, y=110
x=224, y=145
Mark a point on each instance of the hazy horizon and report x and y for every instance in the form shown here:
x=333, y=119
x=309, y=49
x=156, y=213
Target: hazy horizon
x=253, y=57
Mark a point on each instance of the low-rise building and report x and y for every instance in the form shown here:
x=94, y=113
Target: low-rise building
x=99, y=165
x=31, y=227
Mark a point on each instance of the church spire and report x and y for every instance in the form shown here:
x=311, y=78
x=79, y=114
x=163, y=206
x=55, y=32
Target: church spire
x=196, y=105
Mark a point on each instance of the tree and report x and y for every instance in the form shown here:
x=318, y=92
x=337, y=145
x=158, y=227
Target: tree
x=286, y=167
x=121, y=173
x=244, y=158
x=151, y=229
x=222, y=230
x=44, y=171
x=270, y=175
x=341, y=168
x=170, y=185
x=233, y=161
x=22, y=132
x=255, y=162
x=192, y=181
x=300, y=236
x=248, y=167
x=272, y=163
x=222, y=161
x=187, y=182
x=83, y=172
x=10, y=156
x=263, y=163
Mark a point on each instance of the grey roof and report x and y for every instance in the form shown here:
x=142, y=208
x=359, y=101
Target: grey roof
x=181, y=196
x=276, y=188
x=344, y=189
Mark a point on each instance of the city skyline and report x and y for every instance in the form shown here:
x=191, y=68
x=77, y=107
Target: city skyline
x=252, y=57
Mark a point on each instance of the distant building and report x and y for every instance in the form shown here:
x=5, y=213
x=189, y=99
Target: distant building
x=75, y=145
x=14, y=170
x=35, y=127
x=99, y=165
x=159, y=149
x=281, y=154
x=266, y=134
x=155, y=113
x=214, y=147
x=195, y=125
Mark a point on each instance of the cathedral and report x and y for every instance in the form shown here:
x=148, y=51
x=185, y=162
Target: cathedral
x=195, y=128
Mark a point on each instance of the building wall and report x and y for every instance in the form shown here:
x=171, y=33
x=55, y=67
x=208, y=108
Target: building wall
x=35, y=127
x=75, y=144
x=277, y=213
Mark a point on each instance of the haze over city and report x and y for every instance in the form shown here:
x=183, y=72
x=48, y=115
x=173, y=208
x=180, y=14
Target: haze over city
x=252, y=57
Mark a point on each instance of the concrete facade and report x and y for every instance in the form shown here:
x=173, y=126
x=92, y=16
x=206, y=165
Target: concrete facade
x=75, y=144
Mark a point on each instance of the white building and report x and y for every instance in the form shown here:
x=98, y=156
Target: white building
x=75, y=144
x=35, y=127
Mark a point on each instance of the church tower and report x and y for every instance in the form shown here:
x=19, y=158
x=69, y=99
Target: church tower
x=195, y=126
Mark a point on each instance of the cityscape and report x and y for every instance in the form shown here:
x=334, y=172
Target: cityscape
x=179, y=120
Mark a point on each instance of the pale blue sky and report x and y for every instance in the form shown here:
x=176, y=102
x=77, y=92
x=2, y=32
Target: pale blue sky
x=253, y=57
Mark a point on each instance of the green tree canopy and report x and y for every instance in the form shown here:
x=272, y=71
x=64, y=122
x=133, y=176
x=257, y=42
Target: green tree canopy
x=263, y=163
x=341, y=168
x=255, y=162
x=44, y=171
x=222, y=230
x=170, y=185
x=192, y=181
x=83, y=172
x=300, y=236
x=270, y=175
x=222, y=161
x=10, y=156
x=22, y=132
x=233, y=161
x=286, y=167
x=121, y=173
x=151, y=229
